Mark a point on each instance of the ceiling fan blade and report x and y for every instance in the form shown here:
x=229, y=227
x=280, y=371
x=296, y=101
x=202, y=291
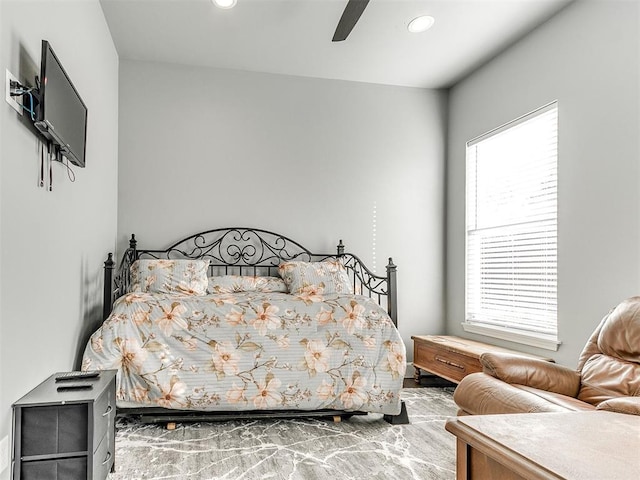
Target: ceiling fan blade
x=349, y=18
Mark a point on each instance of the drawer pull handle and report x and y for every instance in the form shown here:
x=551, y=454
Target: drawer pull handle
x=450, y=363
x=109, y=408
x=106, y=460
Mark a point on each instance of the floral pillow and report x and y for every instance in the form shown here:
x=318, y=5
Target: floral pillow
x=245, y=283
x=322, y=278
x=188, y=277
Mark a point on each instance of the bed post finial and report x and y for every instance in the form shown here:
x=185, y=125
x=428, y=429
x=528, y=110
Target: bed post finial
x=133, y=242
x=108, y=286
x=392, y=305
x=340, y=248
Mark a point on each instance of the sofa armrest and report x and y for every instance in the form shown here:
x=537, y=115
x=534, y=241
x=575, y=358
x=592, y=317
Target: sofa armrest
x=482, y=394
x=629, y=405
x=532, y=372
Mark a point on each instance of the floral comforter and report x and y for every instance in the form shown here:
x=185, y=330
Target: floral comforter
x=251, y=351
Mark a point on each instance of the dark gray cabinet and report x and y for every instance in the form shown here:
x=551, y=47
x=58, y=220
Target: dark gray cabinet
x=65, y=435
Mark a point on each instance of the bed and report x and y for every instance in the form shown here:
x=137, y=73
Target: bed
x=237, y=322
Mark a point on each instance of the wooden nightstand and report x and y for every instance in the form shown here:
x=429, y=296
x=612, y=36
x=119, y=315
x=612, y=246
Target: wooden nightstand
x=65, y=434
x=452, y=357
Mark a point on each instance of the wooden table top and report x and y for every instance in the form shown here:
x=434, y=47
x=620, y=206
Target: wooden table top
x=577, y=445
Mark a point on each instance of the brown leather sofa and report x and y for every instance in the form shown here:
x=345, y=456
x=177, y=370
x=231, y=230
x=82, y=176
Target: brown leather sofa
x=607, y=377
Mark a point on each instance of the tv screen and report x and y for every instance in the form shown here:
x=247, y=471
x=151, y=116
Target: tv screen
x=62, y=115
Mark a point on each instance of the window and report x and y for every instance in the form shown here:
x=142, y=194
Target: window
x=512, y=230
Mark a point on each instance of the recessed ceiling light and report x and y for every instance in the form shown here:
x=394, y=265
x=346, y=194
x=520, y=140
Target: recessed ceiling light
x=421, y=24
x=224, y=3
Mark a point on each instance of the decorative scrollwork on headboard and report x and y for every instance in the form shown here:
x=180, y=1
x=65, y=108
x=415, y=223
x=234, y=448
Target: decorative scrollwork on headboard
x=239, y=247
x=248, y=251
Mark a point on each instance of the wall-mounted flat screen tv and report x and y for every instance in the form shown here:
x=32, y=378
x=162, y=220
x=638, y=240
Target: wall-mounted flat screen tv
x=61, y=115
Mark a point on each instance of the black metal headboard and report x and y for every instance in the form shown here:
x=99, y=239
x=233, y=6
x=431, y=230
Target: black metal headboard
x=248, y=251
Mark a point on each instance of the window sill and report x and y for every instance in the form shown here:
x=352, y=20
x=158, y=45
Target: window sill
x=539, y=341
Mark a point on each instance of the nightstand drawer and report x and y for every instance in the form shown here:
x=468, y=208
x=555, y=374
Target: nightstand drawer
x=63, y=469
x=102, y=459
x=104, y=412
x=52, y=430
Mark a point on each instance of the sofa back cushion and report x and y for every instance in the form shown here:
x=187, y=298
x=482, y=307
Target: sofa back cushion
x=605, y=377
x=610, y=362
x=620, y=334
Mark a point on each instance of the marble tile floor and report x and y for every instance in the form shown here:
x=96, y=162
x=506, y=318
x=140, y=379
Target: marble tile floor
x=296, y=449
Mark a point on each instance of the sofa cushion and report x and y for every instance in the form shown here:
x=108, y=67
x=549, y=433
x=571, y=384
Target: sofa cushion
x=628, y=405
x=564, y=401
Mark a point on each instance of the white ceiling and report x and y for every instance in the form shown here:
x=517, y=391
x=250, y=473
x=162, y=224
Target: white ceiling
x=293, y=37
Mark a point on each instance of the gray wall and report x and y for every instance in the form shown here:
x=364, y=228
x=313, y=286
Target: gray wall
x=4, y=427
x=587, y=58
x=203, y=148
x=53, y=243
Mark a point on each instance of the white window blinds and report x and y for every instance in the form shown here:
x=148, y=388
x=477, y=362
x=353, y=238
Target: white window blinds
x=512, y=193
